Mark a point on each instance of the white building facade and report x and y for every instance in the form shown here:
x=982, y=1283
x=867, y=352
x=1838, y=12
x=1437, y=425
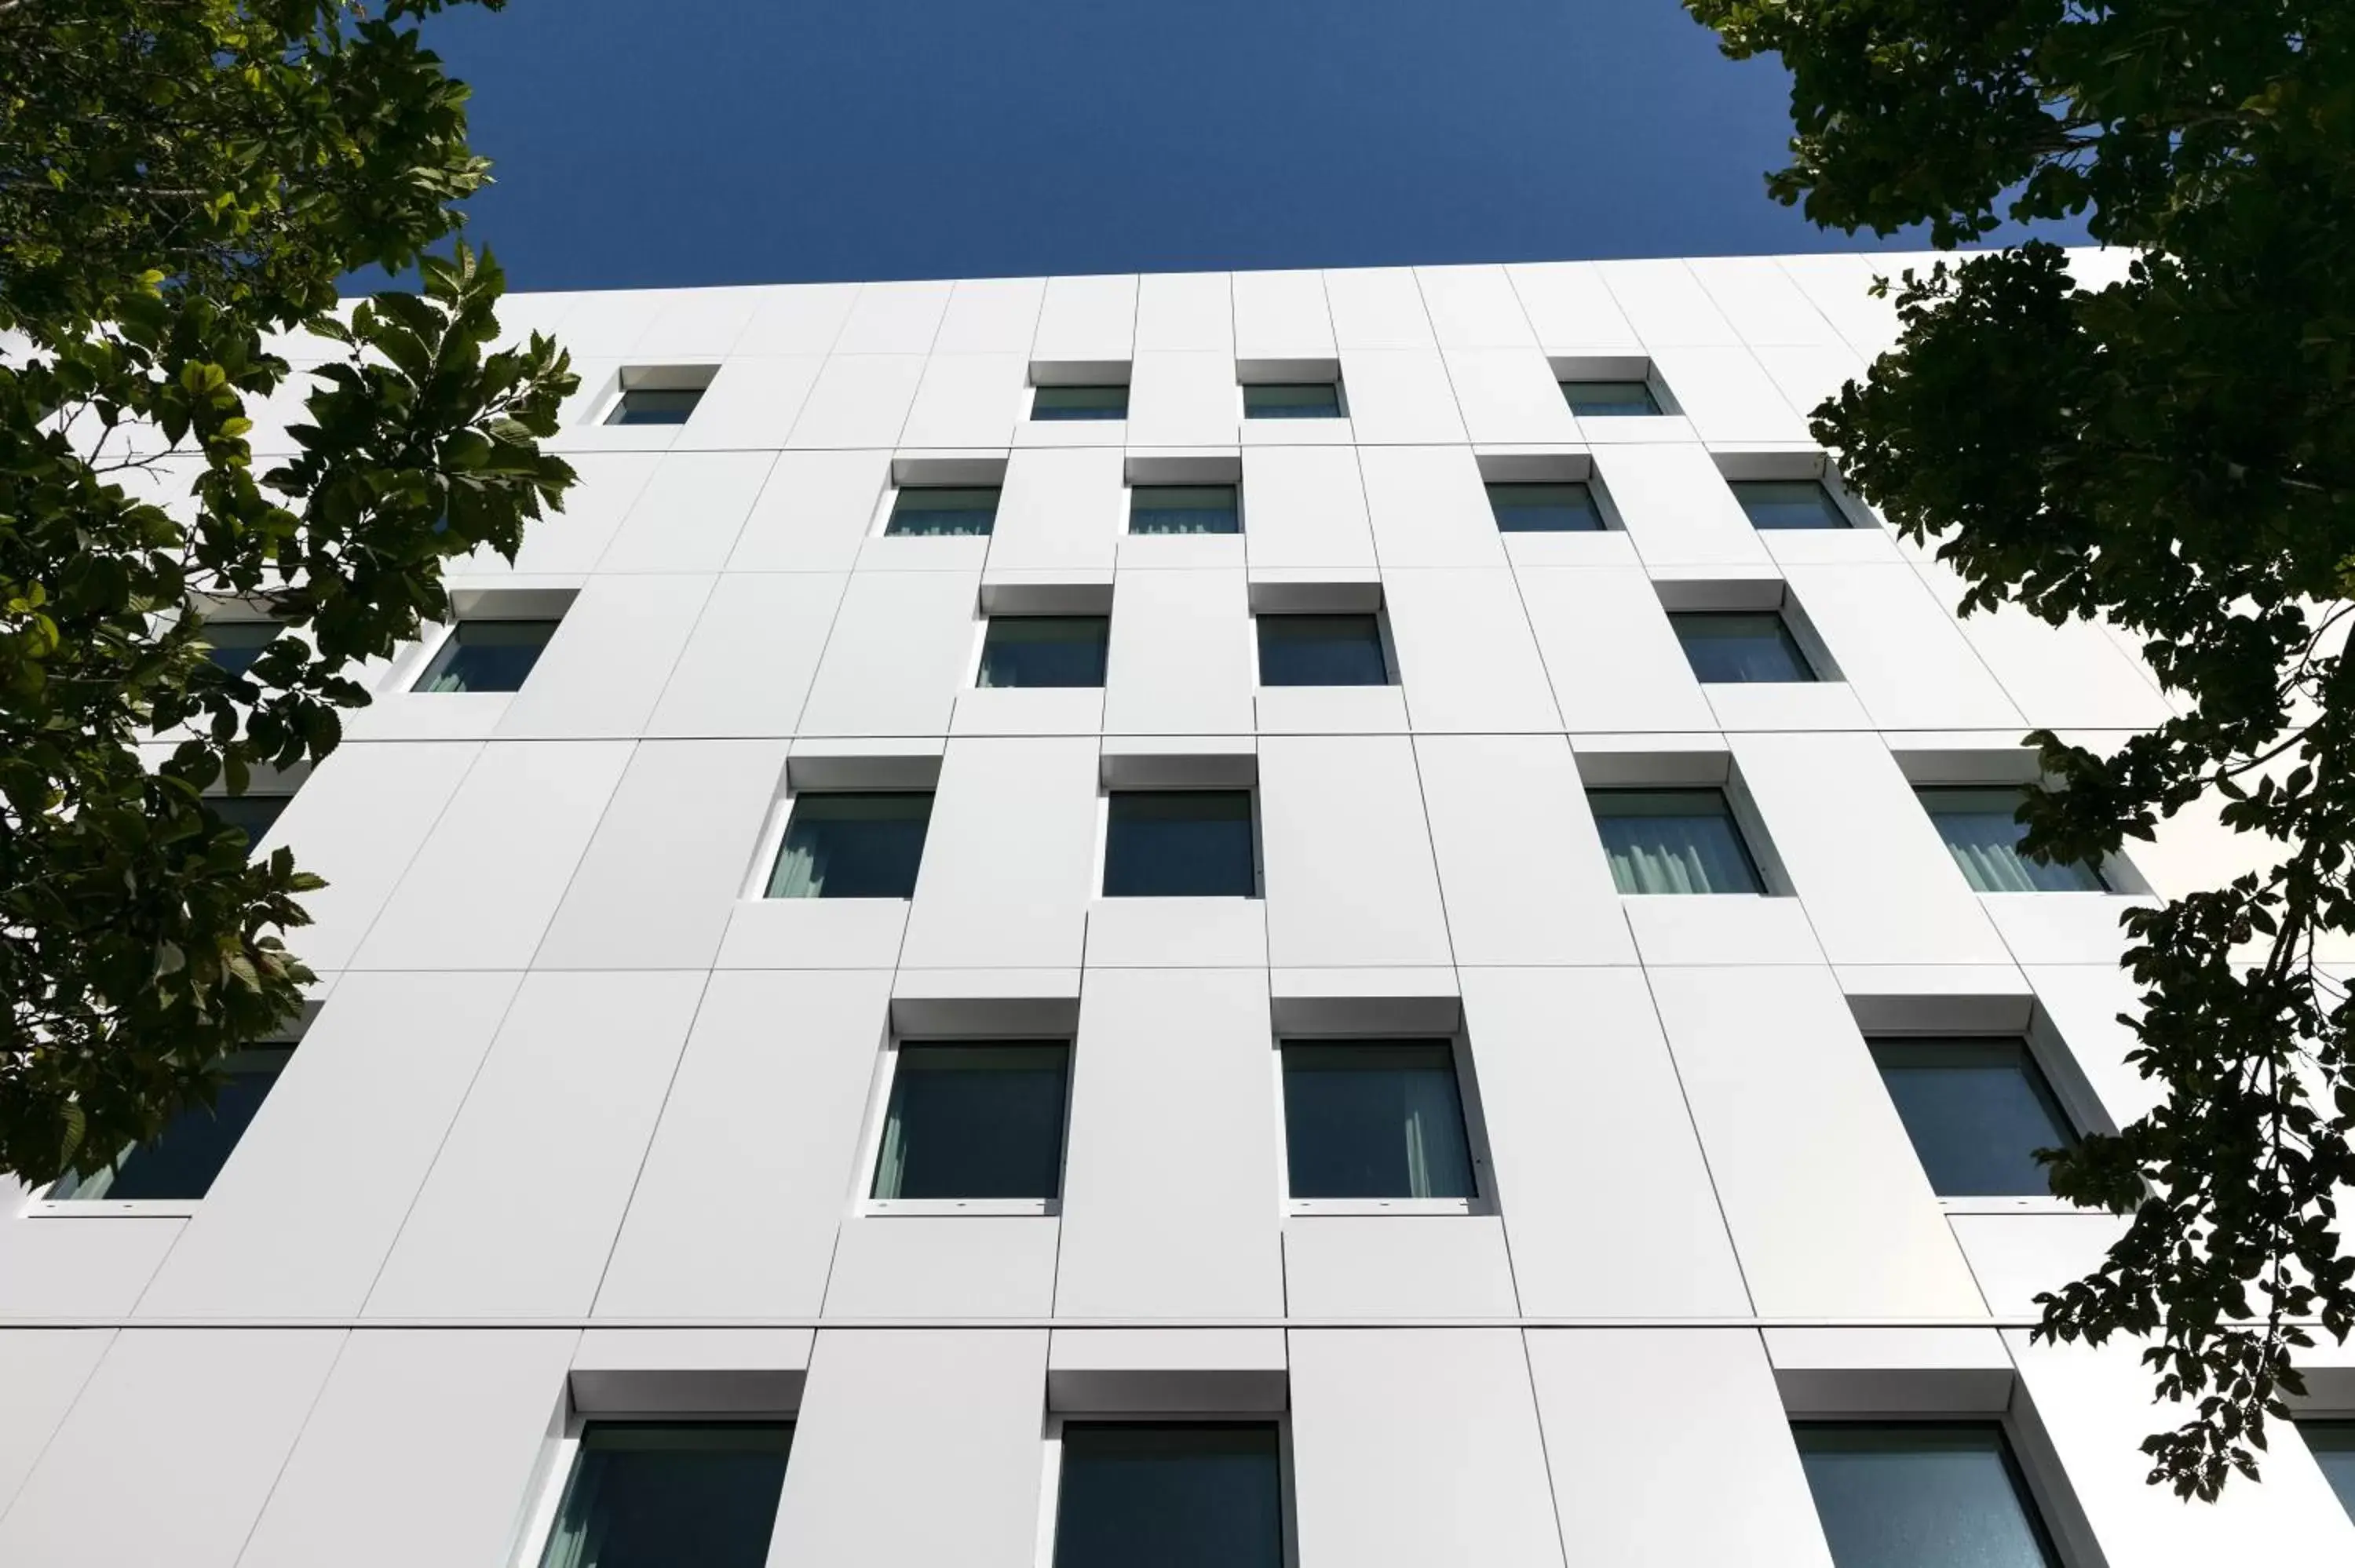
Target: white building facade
x=1349, y=919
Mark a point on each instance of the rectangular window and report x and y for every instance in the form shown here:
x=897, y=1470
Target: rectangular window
x=976, y=1120
x=1977, y=1110
x=1375, y=1120
x=1103, y=402
x=1322, y=650
x=487, y=656
x=249, y=814
x=649, y=1494
x=846, y=845
x=1191, y=1494
x=179, y=1163
x=2332, y=1443
x=1673, y=841
x=1730, y=648
x=1545, y=508
x=234, y=645
x=1788, y=503
x=1982, y=829
x=1180, y=844
x=1609, y=399
x=1921, y=1495
x=1044, y=650
x=1185, y=509
x=1292, y=400
x=654, y=405
x=937, y=510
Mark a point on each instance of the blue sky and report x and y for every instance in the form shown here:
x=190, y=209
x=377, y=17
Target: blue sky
x=684, y=142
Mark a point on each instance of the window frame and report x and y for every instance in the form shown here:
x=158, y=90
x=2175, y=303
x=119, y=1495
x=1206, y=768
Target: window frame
x=1748, y=834
x=1392, y=678
x=780, y=821
x=409, y=679
x=40, y=1205
x=1664, y=407
x=1103, y=841
x=2116, y=874
x=987, y=618
x=697, y=379
x=1242, y=398
x=2055, y=1089
x=889, y=505
x=553, y=1471
x=1483, y=1201
x=1128, y=512
x=866, y=1205
x=1030, y=415
x=2054, y=1514
x=1853, y=519
x=1808, y=660
x=1051, y=1486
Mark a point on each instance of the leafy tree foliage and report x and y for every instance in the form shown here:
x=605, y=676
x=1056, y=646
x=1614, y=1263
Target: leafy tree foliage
x=182, y=182
x=2174, y=452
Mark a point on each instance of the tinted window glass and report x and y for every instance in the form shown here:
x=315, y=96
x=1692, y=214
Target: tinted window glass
x=1375, y=1120
x=1982, y=831
x=1321, y=651
x=234, y=645
x=1184, y=509
x=1608, y=399
x=250, y=814
x=655, y=406
x=1788, y=503
x=974, y=1122
x=1976, y=1111
x=1203, y=1494
x=2333, y=1445
x=1180, y=844
x=1739, y=647
x=180, y=1163
x=1292, y=400
x=1921, y=1495
x=852, y=846
x=1544, y=508
x=487, y=656
x=944, y=509
x=1044, y=650
x=649, y=1495
x=1672, y=841
x=1080, y=403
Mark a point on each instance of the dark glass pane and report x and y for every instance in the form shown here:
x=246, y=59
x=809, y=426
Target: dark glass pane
x=234, y=645
x=1292, y=400
x=1321, y=651
x=1982, y=829
x=852, y=846
x=643, y=1495
x=2333, y=1445
x=655, y=406
x=1921, y=1495
x=1375, y=1121
x=1672, y=841
x=1976, y=1111
x=1788, y=503
x=1044, y=650
x=180, y=1163
x=1203, y=1494
x=1080, y=403
x=250, y=814
x=1544, y=508
x=974, y=1122
x=1739, y=647
x=1180, y=844
x=487, y=656
x=1608, y=399
x=944, y=509
x=1184, y=509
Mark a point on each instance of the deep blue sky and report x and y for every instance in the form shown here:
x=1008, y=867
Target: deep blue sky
x=642, y=143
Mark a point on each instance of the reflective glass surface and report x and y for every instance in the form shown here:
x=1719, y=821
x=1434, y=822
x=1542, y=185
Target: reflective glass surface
x=1180, y=844
x=671, y=1495
x=1976, y=1111
x=1321, y=651
x=250, y=814
x=1195, y=1494
x=1544, y=508
x=1080, y=403
x=1184, y=509
x=1982, y=831
x=1609, y=399
x=1672, y=841
x=1921, y=1495
x=1292, y=400
x=1044, y=650
x=978, y=1120
x=655, y=406
x=1375, y=1120
x=943, y=509
x=1739, y=647
x=848, y=845
x=1788, y=503
x=2332, y=1443
x=234, y=645
x=180, y=1163
x=487, y=656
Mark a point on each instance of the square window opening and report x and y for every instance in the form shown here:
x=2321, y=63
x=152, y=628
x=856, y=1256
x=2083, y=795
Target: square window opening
x=1609, y=399
x=655, y=405
x=975, y=1121
x=1101, y=401
x=1185, y=509
x=1921, y=1494
x=1044, y=650
x=1982, y=831
x=1322, y=650
x=938, y=511
x=1773, y=504
x=1291, y=400
x=1375, y=1120
x=1739, y=647
x=180, y=1163
x=1673, y=841
x=852, y=844
x=1976, y=1111
x=1180, y=844
x=647, y=1494
x=1192, y=1494
x=1566, y=508
x=487, y=656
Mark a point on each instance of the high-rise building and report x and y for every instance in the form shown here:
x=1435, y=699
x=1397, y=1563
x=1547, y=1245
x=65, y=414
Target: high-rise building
x=1349, y=920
